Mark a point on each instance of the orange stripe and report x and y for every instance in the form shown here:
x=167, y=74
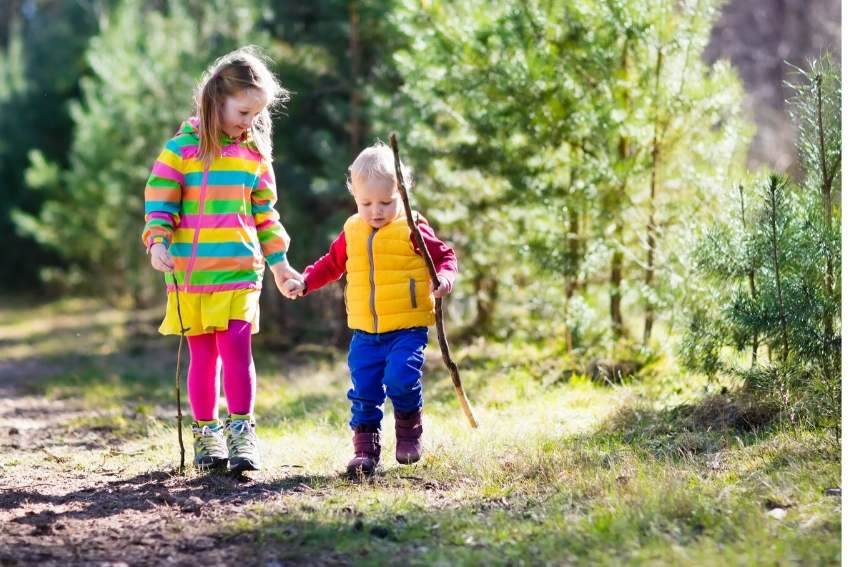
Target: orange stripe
x=272, y=246
x=162, y=193
x=218, y=192
x=236, y=264
x=215, y=264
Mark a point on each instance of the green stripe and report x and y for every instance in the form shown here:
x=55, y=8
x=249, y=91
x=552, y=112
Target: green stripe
x=215, y=206
x=179, y=275
x=155, y=181
x=218, y=206
x=207, y=278
x=186, y=139
x=267, y=234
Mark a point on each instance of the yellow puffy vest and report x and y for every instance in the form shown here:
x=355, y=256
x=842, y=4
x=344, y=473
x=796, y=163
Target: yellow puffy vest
x=387, y=286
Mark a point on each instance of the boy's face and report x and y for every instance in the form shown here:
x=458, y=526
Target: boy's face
x=378, y=201
x=240, y=110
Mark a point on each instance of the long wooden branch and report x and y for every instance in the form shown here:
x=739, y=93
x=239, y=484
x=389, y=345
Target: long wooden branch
x=432, y=271
x=177, y=376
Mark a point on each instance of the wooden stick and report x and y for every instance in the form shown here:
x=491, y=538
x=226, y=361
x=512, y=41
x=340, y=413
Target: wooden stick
x=432, y=271
x=177, y=376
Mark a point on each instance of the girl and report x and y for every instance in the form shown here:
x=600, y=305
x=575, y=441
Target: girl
x=390, y=304
x=211, y=223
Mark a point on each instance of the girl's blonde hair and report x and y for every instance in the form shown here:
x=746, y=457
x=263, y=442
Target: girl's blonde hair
x=229, y=75
x=377, y=162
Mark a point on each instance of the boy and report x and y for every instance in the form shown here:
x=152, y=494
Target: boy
x=390, y=304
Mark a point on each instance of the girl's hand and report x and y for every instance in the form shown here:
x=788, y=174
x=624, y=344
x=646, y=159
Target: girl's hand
x=160, y=258
x=284, y=273
x=292, y=288
x=443, y=289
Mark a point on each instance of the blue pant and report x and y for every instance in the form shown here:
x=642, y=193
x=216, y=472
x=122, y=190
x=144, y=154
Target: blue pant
x=385, y=364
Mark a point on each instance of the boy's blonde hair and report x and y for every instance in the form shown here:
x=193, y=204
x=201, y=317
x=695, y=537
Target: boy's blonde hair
x=377, y=162
x=242, y=69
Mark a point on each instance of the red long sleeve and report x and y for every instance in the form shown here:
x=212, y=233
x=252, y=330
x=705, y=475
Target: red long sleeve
x=328, y=268
x=445, y=261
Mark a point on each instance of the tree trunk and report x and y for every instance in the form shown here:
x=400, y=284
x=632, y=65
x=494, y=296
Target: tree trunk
x=486, y=294
x=584, y=220
x=617, y=326
x=774, y=188
x=649, y=276
x=571, y=269
x=616, y=294
x=826, y=196
x=751, y=275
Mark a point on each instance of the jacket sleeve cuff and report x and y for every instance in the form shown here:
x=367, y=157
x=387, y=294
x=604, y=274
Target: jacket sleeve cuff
x=449, y=279
x=276, y=258
x=156, y=240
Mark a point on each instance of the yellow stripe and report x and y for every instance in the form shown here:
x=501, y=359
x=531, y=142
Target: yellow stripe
x=222, y=164
x=186, y=235
x=170, y=159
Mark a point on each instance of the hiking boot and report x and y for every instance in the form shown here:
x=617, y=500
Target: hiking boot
x=408, y=434
x=210, y=447
x=242, y=446
x=367, y=452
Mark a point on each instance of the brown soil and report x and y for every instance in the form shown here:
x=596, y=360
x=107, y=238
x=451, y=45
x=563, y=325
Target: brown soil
x=54, y=515
x=57, y=514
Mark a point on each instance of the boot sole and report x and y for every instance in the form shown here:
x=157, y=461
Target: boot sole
x=357, y=473
x=407, y=461
x=216, y=464
x=242, y=465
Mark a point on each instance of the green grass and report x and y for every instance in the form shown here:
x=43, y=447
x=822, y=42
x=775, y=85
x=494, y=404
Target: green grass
x=666, y=470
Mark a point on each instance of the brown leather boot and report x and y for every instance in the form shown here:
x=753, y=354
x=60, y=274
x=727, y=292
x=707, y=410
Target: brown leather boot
x=408, y=434
x=367, y=451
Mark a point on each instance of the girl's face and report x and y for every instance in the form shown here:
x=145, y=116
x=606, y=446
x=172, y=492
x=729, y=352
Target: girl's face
x=378, y=201
x=240, y=110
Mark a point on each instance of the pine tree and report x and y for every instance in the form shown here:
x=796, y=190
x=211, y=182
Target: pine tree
x=568, y=144
x=774, y=271
x=143, y=67
x=37, y=81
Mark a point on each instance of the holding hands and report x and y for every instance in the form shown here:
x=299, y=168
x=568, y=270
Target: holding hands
x=292, y=288
x=285, y=277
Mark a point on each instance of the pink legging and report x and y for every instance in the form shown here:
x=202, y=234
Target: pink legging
x=208, y=353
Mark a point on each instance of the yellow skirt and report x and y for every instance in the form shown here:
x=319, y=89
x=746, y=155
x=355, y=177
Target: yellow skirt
x=207, y=312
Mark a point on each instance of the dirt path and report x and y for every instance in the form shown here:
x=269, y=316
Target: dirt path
x=55, y=512
x=52, y=514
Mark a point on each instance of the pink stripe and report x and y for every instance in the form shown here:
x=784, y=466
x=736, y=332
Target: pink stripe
x=233, y=150
x=161, y=216
x=265, y=224
x=225, y=220
x=162, y=170
x=216, y=287
x=197, y=230
x=238, y=151
x=188, y=152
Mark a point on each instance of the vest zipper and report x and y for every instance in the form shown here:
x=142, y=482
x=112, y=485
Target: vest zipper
x=413, y=293
x=193, y=254
x=372, y=279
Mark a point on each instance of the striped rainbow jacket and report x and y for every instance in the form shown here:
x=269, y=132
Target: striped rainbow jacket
x=219, y=224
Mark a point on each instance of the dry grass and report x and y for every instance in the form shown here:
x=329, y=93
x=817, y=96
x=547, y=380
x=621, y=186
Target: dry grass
x=560, y=471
